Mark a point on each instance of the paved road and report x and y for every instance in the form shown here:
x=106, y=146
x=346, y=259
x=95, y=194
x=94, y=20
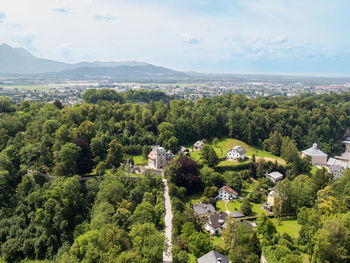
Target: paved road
x=167, y=256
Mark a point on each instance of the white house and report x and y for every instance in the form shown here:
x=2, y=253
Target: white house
x=215, y=223
x=227, y=193
x=318, y=158
x=236, y=153
x=274, y=176
x=159, y=157
x=198, y=145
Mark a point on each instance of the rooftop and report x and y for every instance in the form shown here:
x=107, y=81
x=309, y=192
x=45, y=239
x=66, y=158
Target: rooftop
x=228, y=190
x=237, y=214
x=238, y=149
x=213, y=257
x=314, y=151
x=335, y=162
x=202, y=209
x=217, y=220
x=275, y=175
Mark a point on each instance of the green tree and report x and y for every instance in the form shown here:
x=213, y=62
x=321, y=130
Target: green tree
x=114, y=154
x=68, y=156
x=209, y=156
x=246, y=207
x=148, y=242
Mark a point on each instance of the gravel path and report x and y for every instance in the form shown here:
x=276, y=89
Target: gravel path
x=167, y=256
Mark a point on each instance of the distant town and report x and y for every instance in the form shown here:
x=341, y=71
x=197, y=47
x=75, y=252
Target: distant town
x=70, y=91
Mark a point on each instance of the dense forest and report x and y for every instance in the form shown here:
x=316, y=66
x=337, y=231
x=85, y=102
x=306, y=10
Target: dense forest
x=115, y=218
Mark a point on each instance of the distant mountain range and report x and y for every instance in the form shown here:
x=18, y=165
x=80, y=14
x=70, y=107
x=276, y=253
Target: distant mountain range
x=18, y=61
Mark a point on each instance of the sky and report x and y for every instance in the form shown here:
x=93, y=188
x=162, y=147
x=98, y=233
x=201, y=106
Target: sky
x=306, y=37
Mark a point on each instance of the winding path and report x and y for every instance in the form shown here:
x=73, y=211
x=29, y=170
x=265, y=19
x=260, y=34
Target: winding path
x=167, y=256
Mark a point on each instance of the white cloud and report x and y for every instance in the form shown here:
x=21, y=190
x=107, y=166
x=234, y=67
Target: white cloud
x=188, y=38
x=105, y=16
x=60, y=10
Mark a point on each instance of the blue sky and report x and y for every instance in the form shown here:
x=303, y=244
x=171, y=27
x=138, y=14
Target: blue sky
x=238, y=36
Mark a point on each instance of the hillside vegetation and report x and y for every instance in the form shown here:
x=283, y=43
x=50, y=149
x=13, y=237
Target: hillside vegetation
x=115, y=218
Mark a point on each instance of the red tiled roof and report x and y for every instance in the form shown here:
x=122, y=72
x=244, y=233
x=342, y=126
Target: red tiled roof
x=228, y=189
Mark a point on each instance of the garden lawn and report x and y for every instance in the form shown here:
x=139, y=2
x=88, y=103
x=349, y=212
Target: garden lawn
x=290, y=227
x=235, y=206
x=224, y=145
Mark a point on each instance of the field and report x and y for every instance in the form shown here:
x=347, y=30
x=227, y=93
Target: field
x=226, y=144
x=28, y=87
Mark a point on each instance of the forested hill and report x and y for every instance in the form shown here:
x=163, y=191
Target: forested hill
x=115, y=218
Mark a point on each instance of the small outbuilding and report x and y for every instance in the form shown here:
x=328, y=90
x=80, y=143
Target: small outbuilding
x=274, y=176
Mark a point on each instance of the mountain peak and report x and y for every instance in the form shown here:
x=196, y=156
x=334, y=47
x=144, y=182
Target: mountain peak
x=18, y=61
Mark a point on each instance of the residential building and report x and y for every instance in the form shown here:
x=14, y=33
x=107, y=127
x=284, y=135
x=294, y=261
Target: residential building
x=236, y=153
x=204, y=210
x=198, y=145
x=274, y=176
x=318, y=158
x=213, y=257
x=159, y=157
x=214, y=223
x=336, y=167
x=227, y=193
x=270, y=201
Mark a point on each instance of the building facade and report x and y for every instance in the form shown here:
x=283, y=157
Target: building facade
x=227, y=193
x=159, y=157
x=236, y=153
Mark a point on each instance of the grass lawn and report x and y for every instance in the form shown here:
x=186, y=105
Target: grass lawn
x=195, y=155
x=290, y=227
x=226, y=144
x=235, y=206
x=229, y=163
x=139, y=160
